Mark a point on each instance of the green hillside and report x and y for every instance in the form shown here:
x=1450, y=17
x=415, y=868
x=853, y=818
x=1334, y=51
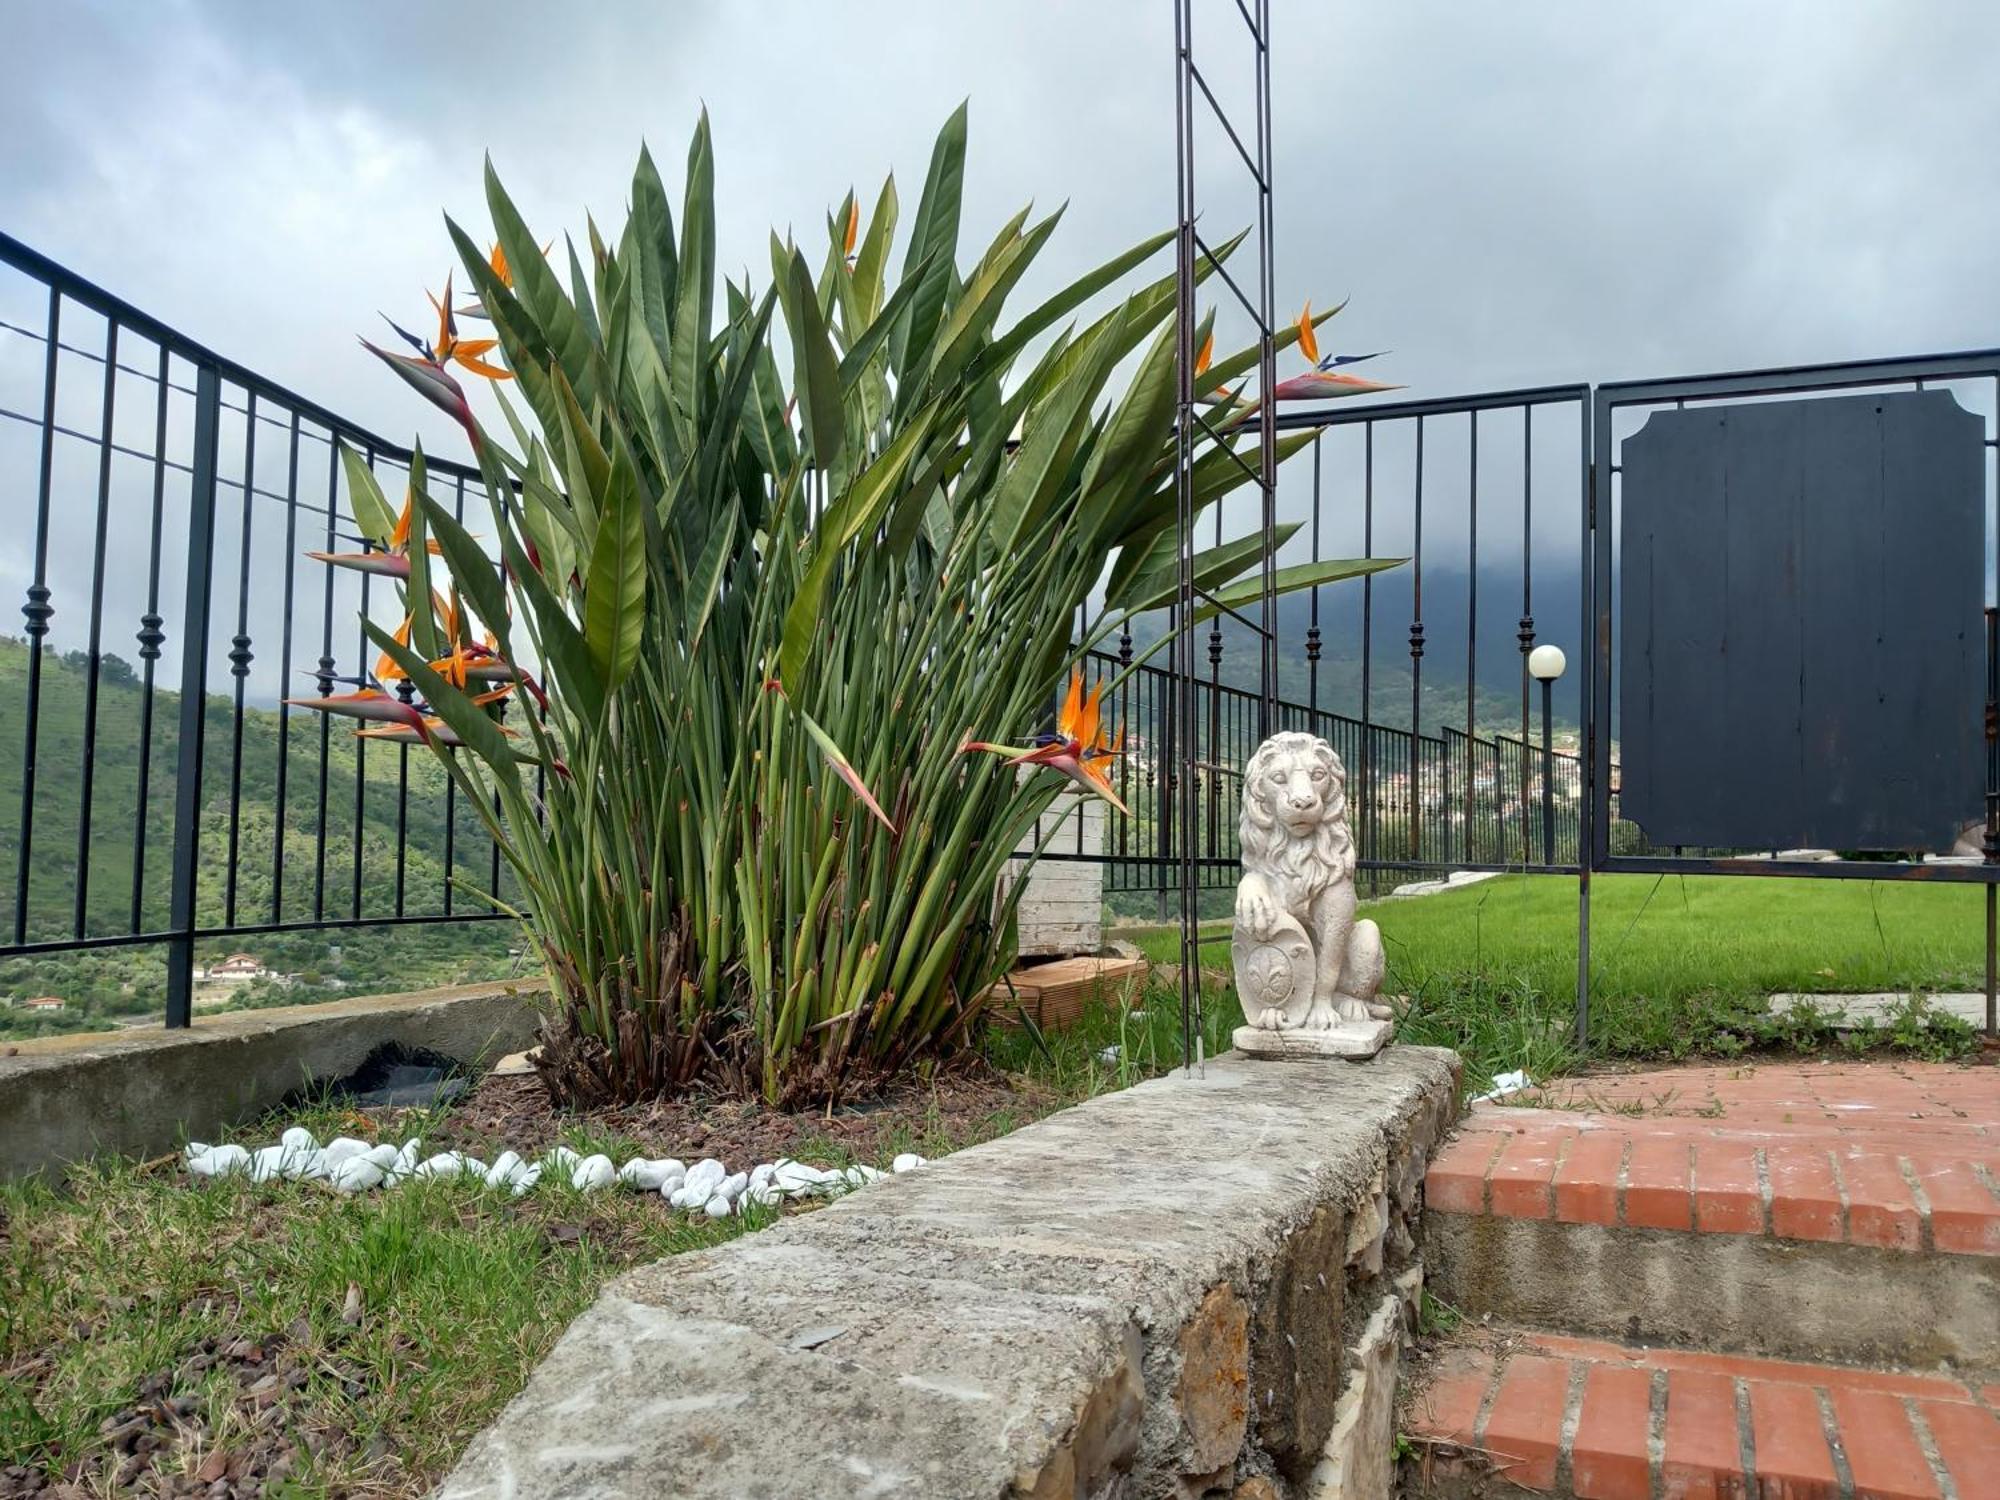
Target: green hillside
x=390, y=783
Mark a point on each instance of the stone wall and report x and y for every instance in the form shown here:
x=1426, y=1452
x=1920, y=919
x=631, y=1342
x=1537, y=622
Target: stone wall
x=1195, y=1289
x=144, y=1091
x=1062, y=911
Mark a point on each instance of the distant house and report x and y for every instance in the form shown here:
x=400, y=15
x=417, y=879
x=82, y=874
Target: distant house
x=238, y=968
x=44, y=1003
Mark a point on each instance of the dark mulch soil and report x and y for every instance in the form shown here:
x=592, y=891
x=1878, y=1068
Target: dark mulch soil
x=958, y=1107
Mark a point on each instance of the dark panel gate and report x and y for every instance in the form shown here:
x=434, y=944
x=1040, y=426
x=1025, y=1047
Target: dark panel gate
x=1794, y=639
x=1802, y=659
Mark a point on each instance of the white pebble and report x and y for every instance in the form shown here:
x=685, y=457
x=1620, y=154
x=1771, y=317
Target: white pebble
x=298, y=1138
x=355, y=1174
x=708, y=1171
x=304, y=1165
x=503, y=1169
x=646, y=1174
x=267, y=1162
x=761, y=1173
x=592, y=1173
x=444, y=1164
x=797, y=1179
x=527, y=1178
x=732, y=1186
x=341, y=1147
x=563, y=1157
x=405, y=1162
x=384, y=1156
x=718, y=1207
x=217, y=1161
x=909, y=1161
x=860, y=1176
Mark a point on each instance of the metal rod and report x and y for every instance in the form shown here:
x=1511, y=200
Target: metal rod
x=284, y=673
x=150, y=638
x=38, y=613
x=87, y=778
x=194, y=698
x=1990, y=845
x=1548, y=773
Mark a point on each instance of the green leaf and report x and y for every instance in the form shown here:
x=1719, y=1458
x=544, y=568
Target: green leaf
x=614, y=588
x=929, y=258
x=373, y=517
x=1049, y=444
x=859, y=507
x=711, y=569
x=842, y=767
x=475, y=575
x=978, y=309
x=1003, y=349
x=1300, y=576
x=655, y=265
x=815, y=374
x=1157, y=577
x=696, y=276
x=871, y=261
x=540, y=294
x=417, y=594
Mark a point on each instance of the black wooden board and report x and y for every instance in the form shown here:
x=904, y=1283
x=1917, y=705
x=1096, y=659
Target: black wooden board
x=1801, y=634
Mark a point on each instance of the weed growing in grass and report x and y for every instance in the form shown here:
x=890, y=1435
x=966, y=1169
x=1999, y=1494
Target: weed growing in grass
x=1116, y=1044
x=1496, y=1026
x=1437, y=1318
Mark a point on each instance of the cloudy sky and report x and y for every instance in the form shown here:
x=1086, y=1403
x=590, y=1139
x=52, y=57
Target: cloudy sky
x=1510, y=193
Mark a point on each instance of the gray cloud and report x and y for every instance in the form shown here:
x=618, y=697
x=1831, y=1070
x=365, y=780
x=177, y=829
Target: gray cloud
x=1512, y=194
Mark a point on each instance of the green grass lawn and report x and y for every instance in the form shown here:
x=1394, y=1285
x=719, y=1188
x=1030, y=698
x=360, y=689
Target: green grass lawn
x=1680, y=966
x=156, y=1325
x=1683, y=935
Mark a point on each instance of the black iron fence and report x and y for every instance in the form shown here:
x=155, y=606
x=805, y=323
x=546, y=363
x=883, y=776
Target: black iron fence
x=158, y=795
x=1419, y=804
x=163, y=793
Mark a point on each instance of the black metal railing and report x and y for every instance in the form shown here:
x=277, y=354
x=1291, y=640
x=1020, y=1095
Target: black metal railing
x=168, y=494
x=170, y=802
x=1418, y=804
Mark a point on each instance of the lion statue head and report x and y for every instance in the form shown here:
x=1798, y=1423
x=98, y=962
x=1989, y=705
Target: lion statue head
x=1295, y=811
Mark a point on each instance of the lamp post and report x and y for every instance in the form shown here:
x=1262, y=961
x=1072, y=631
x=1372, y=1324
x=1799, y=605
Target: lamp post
x=1545, y=665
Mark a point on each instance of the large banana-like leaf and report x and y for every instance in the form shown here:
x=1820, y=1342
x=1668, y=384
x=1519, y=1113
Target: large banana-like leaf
x=615, y=586
x=372, y=516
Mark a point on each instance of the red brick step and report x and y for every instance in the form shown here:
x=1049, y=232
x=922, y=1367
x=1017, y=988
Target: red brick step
x=1846, y=1211
x=1601, y=1421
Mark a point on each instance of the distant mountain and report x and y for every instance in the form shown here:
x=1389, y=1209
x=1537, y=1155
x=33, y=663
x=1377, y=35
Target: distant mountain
x=1448, y=609
x=369, y=793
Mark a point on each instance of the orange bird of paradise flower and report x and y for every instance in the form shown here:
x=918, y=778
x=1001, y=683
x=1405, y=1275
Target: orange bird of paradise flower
x=426, y=372
x=1076, y=746
x=502, y=272
x=1324, y=380
x=392, y=561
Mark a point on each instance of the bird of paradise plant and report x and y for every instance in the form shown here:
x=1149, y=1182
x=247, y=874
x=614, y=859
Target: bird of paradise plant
x=764, y=581
x=1078, y=742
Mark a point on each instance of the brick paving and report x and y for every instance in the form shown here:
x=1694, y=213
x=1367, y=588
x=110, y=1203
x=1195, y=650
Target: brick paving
x=1899, y=1156
x=1606, y=1422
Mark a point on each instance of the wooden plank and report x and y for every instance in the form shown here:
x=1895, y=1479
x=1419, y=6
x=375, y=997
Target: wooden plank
x=1053, y=995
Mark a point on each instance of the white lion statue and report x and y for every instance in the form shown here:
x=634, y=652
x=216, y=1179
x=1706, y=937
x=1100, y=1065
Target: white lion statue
x=1303, y=961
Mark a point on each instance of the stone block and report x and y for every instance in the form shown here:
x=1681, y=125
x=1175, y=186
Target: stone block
x=1064, y=1313
x=1358, y=1462
x=1215, y=1380
x=1357, y=1040
x=1295, y=1364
